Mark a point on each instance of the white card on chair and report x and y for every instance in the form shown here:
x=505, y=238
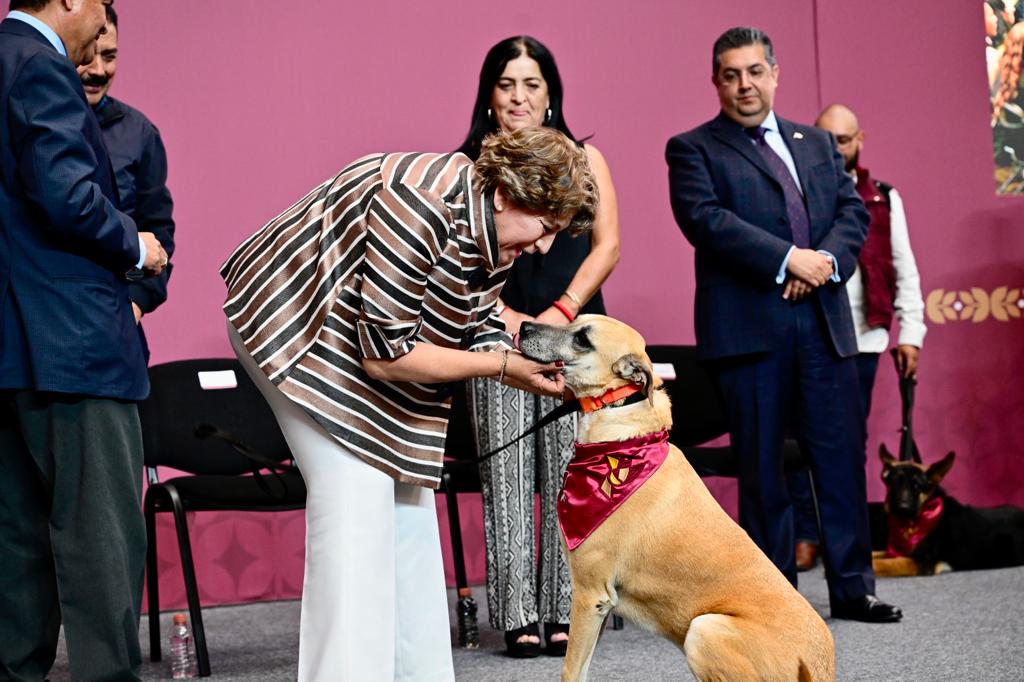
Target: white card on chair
x=665, y=370
x=211, y=381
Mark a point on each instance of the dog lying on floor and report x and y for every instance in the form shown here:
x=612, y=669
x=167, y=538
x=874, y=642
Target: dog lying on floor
x=931, y=532
x=645, y=538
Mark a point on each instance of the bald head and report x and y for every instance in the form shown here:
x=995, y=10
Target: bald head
x=835, y=115
x=839, y=120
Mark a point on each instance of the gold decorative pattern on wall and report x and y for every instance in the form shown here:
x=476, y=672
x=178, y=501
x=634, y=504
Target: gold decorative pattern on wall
x=976, y=305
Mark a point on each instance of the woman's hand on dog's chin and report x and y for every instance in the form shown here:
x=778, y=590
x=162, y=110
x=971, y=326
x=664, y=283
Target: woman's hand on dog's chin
x=535, y=377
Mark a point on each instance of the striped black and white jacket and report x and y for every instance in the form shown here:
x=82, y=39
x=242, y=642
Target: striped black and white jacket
x=395, y=250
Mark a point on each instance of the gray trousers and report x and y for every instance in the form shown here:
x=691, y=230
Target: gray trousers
x=72, y=536
x=521, y=590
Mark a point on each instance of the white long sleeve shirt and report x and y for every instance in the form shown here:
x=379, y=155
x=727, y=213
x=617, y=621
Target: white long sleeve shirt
x=909, y=304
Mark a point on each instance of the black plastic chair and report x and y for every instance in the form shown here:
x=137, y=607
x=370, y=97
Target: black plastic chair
x=460, y=478
x=221, y=478
x=698, y=417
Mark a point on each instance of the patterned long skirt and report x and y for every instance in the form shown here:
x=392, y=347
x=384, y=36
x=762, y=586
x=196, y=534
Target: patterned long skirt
x=521, y=589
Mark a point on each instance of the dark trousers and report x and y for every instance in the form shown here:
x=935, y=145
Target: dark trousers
x=802, y=387
x=72, y=536
x=804, y=523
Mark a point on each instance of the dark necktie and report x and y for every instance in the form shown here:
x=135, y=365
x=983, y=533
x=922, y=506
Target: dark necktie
x=795, y=209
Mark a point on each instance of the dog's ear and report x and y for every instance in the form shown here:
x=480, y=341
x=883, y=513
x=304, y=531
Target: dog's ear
x=634, y=368
x=887, y=460
x=936, y=472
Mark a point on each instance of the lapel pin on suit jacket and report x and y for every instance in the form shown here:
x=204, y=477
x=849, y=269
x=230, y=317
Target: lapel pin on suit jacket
x=798, y=135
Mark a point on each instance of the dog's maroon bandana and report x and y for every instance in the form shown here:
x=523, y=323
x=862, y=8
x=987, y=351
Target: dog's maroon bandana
x=905, y=535
x=600, y=477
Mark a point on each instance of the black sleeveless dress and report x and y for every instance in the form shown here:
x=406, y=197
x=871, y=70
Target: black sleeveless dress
x=537, y=279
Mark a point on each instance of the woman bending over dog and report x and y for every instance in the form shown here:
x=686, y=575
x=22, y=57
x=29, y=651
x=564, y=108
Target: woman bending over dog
x=352, y=311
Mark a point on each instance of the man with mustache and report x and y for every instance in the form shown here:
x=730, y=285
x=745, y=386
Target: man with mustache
x=72, y=536
x=139, y=160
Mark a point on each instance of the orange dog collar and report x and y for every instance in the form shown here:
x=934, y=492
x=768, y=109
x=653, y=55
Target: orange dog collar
x=613, y=396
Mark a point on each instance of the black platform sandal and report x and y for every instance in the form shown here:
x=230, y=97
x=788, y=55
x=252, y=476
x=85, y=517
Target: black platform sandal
x=517, y=649
x=555, y=648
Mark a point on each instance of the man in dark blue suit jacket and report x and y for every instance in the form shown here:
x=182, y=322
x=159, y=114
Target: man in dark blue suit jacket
x=71, y=363
x=777, y=227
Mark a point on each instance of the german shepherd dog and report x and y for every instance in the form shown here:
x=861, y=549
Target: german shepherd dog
x=666, y=556
x=931, y=532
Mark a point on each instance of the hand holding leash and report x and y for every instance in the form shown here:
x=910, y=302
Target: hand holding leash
x=908, y=448
x=906, y=357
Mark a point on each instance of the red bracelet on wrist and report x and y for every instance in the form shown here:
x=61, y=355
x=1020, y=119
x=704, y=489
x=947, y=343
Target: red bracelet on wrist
x=560, y=307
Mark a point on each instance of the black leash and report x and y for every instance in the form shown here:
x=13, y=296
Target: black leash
x=908, y=447
x=562, y=410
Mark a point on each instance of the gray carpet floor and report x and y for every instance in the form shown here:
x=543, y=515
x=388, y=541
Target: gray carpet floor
x=957, y=626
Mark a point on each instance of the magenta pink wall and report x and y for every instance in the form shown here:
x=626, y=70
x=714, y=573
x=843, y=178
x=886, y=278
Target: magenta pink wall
x=919, y=84
x=259, y=101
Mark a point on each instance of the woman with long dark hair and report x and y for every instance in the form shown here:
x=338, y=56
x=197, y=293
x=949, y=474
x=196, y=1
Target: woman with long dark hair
x=520, y=88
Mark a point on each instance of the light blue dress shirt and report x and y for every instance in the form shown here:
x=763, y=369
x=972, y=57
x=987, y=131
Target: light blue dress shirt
x=773, y=138
x=42, y=27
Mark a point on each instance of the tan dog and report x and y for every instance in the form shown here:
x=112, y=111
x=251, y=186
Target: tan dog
x=669, y=558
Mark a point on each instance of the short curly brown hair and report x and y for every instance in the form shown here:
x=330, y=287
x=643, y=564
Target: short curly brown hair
x=541, y=170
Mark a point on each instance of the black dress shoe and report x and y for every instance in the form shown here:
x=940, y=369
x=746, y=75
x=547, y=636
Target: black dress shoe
x=869, y=609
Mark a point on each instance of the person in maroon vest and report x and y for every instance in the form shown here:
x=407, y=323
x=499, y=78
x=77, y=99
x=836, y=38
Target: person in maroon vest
x=884, y=286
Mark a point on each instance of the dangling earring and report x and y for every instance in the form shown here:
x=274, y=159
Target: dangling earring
x=547, y=117
x=489, y=112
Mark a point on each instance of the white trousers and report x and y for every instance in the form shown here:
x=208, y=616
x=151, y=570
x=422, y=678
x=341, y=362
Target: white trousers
x=374, y=605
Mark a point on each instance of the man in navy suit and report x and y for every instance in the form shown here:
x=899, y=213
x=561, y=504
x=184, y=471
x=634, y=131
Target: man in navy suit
x=777, y=227
x=72, y=536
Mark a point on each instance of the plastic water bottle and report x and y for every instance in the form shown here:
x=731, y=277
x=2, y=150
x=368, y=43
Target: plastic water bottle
x=183, y=653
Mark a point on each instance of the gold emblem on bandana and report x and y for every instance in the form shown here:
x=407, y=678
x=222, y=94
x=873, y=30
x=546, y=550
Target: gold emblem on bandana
x=616, y=476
